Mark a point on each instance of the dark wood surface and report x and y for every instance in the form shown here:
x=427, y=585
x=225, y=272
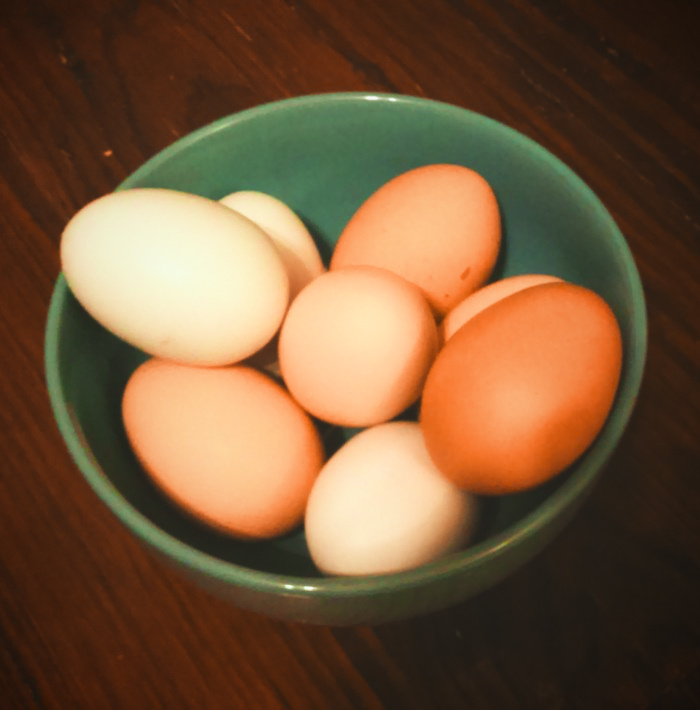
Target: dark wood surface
x=609, y=615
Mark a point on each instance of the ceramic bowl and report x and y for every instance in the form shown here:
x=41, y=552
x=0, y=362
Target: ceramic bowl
x=323, y=155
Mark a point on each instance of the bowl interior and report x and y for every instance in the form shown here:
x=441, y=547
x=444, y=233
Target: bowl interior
x=323, y=155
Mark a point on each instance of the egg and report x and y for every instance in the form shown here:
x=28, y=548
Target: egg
x=294, y=243
x=379, y=505
x=286, y=229
x=522, y=389
x=437, y=226
x=227, y=445
x=177, y=275
x=356, y=345
x=487, y=296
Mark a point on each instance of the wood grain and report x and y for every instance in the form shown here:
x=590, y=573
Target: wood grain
x=609, y=615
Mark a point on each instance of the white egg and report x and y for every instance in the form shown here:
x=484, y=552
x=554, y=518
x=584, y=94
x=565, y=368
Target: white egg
x=289, y=233
x=379, y=505
x=176, y=275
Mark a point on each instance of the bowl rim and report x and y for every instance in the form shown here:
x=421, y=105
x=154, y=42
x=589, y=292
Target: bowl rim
x=567, y=496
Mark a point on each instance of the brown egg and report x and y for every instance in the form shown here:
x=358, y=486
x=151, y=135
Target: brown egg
x=228, y=445
x=438, y=226
x=484, y=297
x=522, y=389
x=356, y=346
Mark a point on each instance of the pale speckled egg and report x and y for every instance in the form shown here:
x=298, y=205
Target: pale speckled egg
x=177, y=275
x=227, y=445
x=356, y=346
x=487, y=296
x=522, y=389
x=379, y=505
x=437, y=226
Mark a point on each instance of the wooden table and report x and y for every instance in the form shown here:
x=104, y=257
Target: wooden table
x=609, y=615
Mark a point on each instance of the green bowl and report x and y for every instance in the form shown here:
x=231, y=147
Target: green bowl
x=323, y=155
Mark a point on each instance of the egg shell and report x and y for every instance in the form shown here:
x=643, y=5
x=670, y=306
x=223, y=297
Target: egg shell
x=356, y=346
x=286, y=229
x=486, y=296
x=228, y=445
x=522, y=389
x=437, y=226
x=295, y=245
x=177, y=275
x=379, y=505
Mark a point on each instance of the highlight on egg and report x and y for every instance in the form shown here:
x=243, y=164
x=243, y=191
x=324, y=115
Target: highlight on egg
x=438, y=226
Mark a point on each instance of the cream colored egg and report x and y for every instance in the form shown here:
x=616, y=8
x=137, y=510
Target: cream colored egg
x=289, y=233
x=177, y=275
x=379, y=505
